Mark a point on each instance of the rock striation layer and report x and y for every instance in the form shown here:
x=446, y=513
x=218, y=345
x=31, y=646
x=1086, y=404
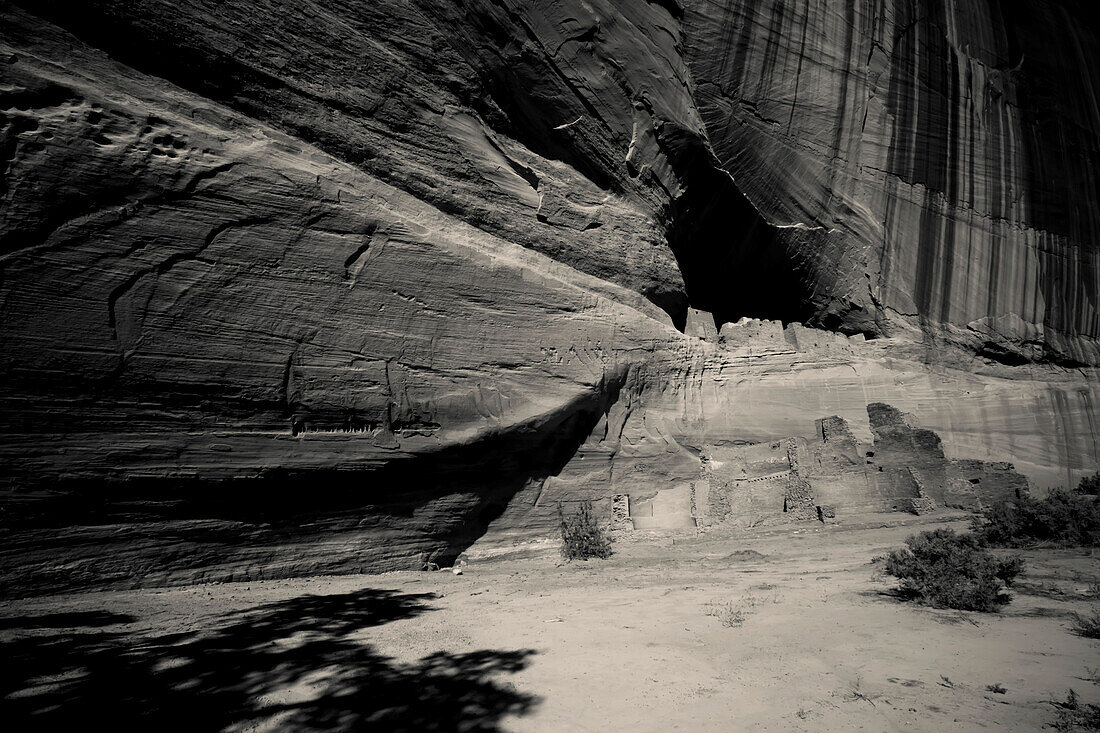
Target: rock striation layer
x=929, y=165
x=291, y=287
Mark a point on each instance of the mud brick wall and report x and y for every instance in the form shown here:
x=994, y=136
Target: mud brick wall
x=974, y=484
x=798, y=503
x=620, y=512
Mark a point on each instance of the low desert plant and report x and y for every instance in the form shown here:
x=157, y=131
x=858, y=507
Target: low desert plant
x=1063, y=518
x=949, y=570
x=1089, y=485
x=856, y=692
x=581, y=535
x=997, y=688
x=730, y=615
x=1008, y=568
x=1087, y=625
x=1076, y=715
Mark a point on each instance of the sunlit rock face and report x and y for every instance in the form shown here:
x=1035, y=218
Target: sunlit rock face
x=295, y=287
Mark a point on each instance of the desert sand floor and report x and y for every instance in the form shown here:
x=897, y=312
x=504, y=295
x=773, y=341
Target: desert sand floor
x=781, y=629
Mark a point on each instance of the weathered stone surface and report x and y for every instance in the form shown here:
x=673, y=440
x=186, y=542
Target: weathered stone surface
x=930, y=164
x=905, y=457
x=700, y=324
x=191, y=298
x=749, y=332
x=800, y=478
x=386, y=272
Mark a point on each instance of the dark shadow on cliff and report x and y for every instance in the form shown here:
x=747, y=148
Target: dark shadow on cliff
x=401, y=514
x=733, y=261
x=297, y=664
x=74, y=619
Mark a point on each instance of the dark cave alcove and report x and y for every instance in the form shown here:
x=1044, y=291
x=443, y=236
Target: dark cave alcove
x=734, y=263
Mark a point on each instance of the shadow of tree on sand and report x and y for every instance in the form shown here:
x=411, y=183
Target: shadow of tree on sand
x=299, y=664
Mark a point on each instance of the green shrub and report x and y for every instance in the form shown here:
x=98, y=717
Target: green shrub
x=1063, y=518
x=949, y=570
x=581, y=536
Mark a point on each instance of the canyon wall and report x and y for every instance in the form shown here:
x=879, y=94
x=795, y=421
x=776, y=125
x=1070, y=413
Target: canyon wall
x=291, y=288
x=932, y=164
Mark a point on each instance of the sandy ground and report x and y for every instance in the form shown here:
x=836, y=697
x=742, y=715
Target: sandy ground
x=773, y=630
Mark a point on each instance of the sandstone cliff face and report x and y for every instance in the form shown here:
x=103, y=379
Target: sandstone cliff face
x=933, y=163
x=287, y=288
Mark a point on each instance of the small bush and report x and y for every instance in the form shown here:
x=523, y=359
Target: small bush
x=581, y=536
x=949, y=570
x=1089, y=485
x=729, y=614
x=732, y=614
x=1087, y=625
x=856, y=692
x=1063, y=518
x=1076, y=715
x=1008, y=568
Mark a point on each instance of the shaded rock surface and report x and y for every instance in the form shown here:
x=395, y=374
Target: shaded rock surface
x=287, y=288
